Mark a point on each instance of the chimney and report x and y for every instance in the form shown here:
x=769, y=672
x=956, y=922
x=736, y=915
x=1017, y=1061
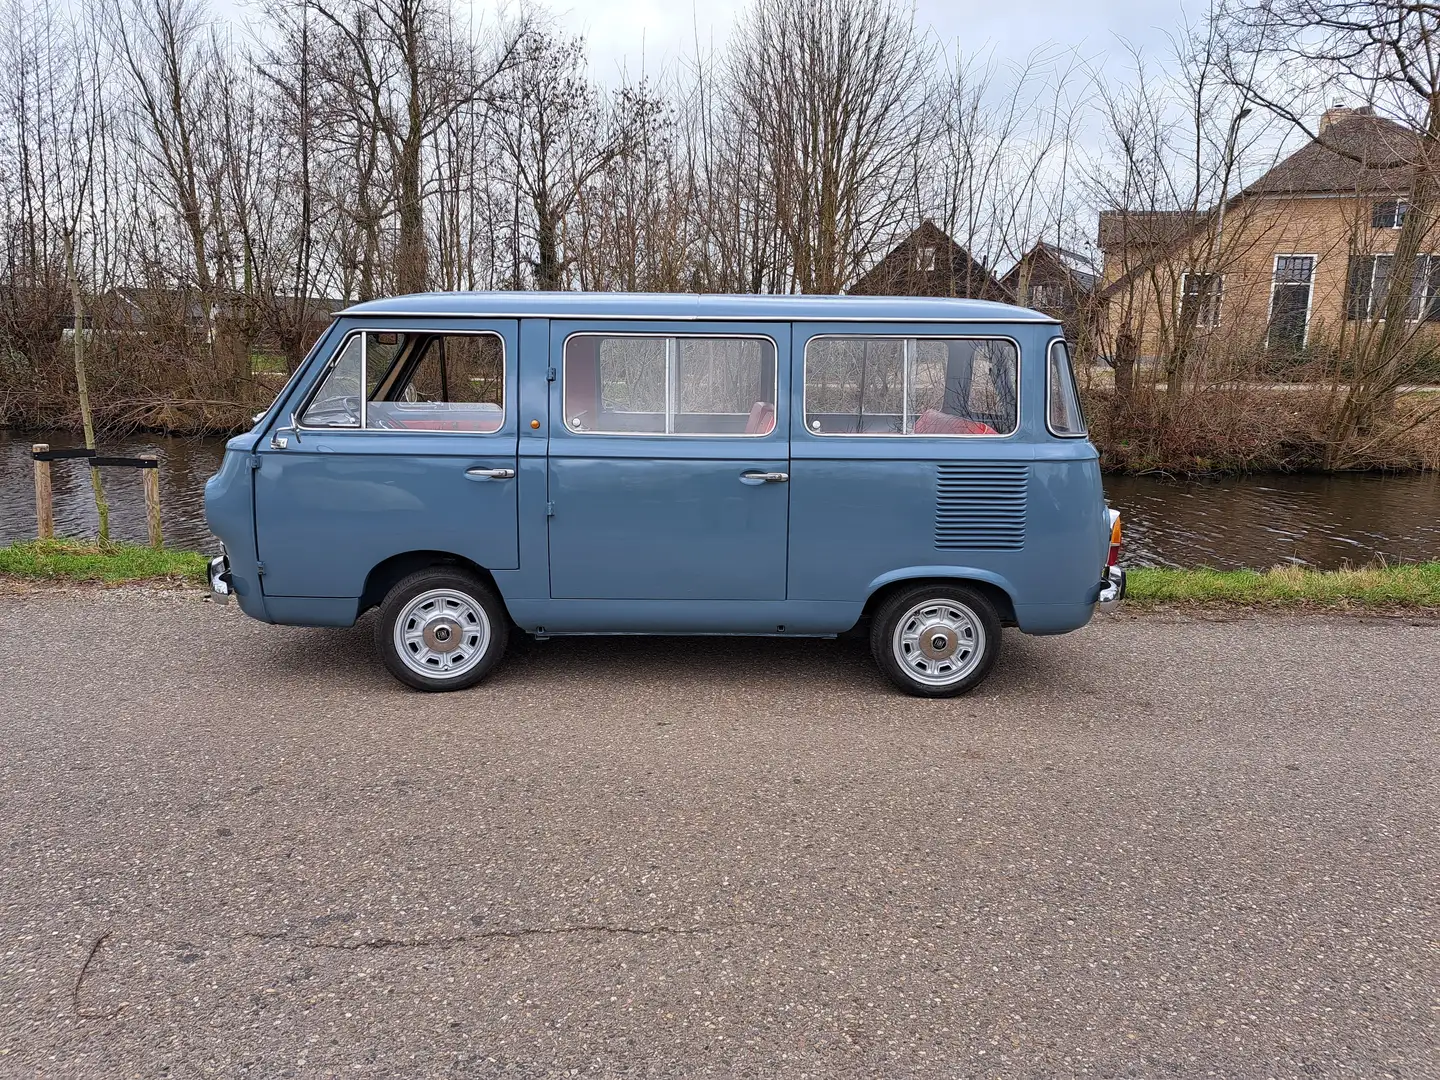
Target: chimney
x=1338, y=112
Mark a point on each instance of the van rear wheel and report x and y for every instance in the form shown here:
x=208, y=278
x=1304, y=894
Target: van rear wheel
x=936, y=640
x=441, y=629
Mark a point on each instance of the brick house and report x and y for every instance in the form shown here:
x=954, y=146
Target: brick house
x=1297, y=257
x=929, y=262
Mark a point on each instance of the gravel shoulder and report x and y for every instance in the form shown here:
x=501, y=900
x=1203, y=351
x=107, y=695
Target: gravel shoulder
x=1166, y=845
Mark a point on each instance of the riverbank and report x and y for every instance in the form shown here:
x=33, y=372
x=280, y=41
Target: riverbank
x=1403, y=587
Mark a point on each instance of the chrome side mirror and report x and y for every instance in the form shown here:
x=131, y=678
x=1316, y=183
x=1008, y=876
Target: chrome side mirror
x=280, y=438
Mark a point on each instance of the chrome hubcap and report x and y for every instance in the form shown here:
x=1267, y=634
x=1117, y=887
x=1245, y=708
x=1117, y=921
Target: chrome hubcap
x=939, y=642
x=442, y=633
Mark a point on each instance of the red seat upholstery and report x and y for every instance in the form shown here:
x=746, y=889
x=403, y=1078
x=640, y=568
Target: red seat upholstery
x=762, y=419
x=934, y=422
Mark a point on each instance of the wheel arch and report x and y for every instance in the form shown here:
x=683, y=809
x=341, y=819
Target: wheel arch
x=384, y=575
x=994, y=587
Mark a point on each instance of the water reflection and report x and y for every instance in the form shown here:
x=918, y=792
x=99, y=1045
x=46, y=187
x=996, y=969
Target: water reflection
x=1270, y=520
x=1255, y=521
x=185, y=465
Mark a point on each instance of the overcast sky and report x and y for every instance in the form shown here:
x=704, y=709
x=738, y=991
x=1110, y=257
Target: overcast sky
x=632, y=33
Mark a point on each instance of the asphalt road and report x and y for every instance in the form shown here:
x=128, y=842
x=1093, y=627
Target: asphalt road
x=1158, y=847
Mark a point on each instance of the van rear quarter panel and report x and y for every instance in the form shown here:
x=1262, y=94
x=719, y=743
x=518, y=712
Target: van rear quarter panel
x=1024, y=511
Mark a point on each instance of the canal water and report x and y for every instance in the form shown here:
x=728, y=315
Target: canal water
x=1252, y=521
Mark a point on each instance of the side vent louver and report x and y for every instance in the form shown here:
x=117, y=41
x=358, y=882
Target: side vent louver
x=981, y=506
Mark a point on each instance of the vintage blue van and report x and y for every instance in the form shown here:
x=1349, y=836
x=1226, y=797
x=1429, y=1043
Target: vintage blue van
x=480, y=464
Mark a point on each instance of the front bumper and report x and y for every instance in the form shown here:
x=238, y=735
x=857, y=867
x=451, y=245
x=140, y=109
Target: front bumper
x=221, y=585
x=1112, y=589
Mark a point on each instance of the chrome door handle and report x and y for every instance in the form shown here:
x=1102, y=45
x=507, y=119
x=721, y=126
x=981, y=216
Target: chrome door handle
x=766, y=477
x=478, y=473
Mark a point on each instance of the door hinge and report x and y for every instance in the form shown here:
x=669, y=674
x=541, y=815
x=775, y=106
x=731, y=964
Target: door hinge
x=550, y=374
x=549, y=509
x=259, y=568
x=254, y=461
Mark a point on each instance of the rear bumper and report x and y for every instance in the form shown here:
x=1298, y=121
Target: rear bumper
x=221, y=584
x=1112, y=589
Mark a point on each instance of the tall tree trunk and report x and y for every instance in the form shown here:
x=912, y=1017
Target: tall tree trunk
x=87, y=419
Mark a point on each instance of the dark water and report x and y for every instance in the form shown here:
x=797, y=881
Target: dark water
x=1254, y=521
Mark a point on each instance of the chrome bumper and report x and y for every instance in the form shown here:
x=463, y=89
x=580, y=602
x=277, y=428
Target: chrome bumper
x=1112, y=589
x=219, y=574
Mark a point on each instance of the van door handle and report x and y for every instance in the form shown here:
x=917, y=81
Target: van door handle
x=478, y=473
x=766, y=477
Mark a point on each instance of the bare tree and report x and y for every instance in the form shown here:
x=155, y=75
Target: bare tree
x=832, y=93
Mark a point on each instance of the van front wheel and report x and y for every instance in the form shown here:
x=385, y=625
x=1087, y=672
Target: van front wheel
x=936, y=640
x=441, y=629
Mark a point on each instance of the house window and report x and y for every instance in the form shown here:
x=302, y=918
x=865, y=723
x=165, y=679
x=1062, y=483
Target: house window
x=1368, y=283
x=1200, y=297
x=1049, y=297
x=1290, y=301
x=1389, y=214
x=925, y=258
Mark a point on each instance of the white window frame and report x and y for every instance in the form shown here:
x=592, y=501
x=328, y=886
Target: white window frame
x=926, y=256
x=1084, y=432
x=1219, y=296
x=364, y=371
x=672, y=388
x=905, y=383
x=1372, y=314
x=1309, y=297
x=1402, y=208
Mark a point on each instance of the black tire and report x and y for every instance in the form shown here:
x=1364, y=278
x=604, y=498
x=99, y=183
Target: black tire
x=457, y=622
x=977, y=623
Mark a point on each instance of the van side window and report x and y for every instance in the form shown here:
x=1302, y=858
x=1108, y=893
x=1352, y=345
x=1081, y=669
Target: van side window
x=414, y=382
x=644, y=384
x=864, y=385
x=443, y=382
x=1063, y=414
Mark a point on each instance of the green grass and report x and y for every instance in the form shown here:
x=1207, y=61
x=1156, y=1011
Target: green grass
x=83, y=560
x=1397, y=587
x=1411, y=586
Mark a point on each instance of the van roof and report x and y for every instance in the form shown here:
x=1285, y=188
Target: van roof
x=696, y=306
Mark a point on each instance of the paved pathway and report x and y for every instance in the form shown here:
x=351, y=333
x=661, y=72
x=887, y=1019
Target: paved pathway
x=1158, y=847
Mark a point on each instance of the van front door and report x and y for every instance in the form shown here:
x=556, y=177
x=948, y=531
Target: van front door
x=669, y=475
x=407, y=443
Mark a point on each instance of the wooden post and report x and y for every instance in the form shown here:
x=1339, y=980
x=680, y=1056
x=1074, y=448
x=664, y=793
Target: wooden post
x=152, y=503
x=44, y=506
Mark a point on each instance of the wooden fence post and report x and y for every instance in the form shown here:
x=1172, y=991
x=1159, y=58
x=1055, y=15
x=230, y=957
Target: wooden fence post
x=151, y=474
x=44, y=506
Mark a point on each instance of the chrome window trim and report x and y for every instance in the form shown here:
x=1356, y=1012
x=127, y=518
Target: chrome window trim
x=805, y=388
x=364, y=360
x=599, y=391
x=1084, y=432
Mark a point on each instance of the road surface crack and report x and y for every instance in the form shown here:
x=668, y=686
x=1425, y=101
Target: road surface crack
x=458, y=940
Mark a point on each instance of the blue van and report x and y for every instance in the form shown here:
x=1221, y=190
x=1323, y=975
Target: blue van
x=480, y=464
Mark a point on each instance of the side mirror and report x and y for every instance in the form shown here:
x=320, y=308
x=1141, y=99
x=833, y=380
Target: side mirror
x=280, y=438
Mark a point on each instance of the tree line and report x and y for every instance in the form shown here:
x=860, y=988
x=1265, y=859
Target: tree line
x=194, y=197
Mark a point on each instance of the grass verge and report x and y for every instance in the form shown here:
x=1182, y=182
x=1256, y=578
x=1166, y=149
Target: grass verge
x=1397, y=587
x=84, y=560
x=1411, y=586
